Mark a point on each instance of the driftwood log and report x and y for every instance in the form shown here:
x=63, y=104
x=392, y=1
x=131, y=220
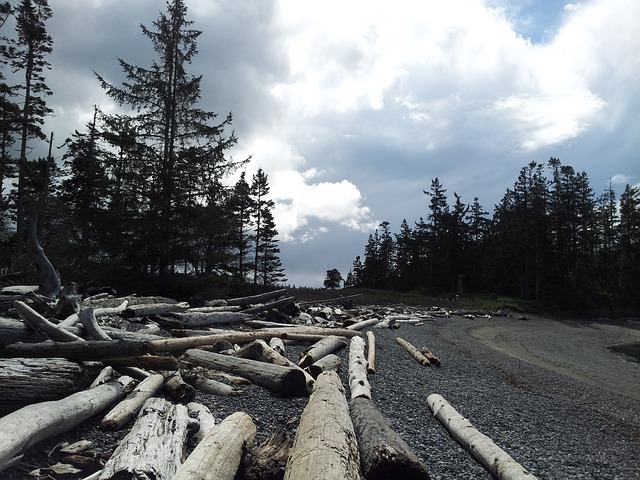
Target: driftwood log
x=371, y=352
x=177, y=388
x=358, y=382
x=254, y=299
x=495, y=459
x=413, y=351
x=325, y=446
x=218, y=455
x=286, y=381
x=430, y=356
x=265, y=462
x=50, y=285
x=321, y=348
x=327, y=363
x=153, y=447
x=207, y=385
x=206, y=420
x=24, y=381
x=39, y=421
x=201, y=319
x=383, y=453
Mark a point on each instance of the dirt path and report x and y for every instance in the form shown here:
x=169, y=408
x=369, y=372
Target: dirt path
x=576, y=348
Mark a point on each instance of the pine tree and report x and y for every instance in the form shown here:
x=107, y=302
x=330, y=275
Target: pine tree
x=242, y=207
x=260, y=203
x=629, y=231
x=271, y=270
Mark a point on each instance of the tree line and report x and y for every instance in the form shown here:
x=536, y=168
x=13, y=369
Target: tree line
x=144, y=193
x=550, y=239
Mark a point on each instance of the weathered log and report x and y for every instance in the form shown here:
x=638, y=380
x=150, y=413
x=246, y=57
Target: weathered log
x=39, y=421
x=146, y=362
x=321, y=348
x=24, y=381
x=12, y=331
x=218, y=455
x=74, y=318
x=201, y=319
x=265, y=462
x=253, y=299
x=50, y=285
x=327, y=363
x=358, y=382
x=268, y=306
x=325, y=446
x=206, y=420
x=154, y=446
x=146, y=309
x=364, y=324
x=260, y=351
x=42, y=325
x=127, y=409
x=208, y=385
x=413, y=351
x=286, y=381
x=277, y=344
x=371, y=352
x=177, y=388
x=495, y=459
x=267, y=324
x=383, y=453
x=104, y=376
x=430, y=356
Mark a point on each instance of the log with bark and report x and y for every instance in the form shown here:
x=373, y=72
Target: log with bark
x=218, y=455
x=358, y=382
x=24, y=381
x=321, y=348
x=39, y=421
x=286, y=381
x=154, y=446
x=495, y=459
x=325, y=446
x=413, y=351
x=383, y=453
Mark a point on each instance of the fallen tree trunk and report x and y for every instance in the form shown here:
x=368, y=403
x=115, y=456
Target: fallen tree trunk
x=207, y=385
x=358, y=382
x=325, y=445
x=321, y=348
x=383, y=453
x=42, y=325
x=496, y=460
x=71, y=320
x=218, y=455
x=146, y=309
x=413, y=351
x=39, y=421
x=153, y=448
x=124, y=411
x=24, y=381
x=286, y=381
x=327, y=363
x=363, y=324
x=201, y=319
x=206, y=420
x=371, y=352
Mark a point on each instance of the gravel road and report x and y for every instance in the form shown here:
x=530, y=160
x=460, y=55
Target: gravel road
x=546, y=391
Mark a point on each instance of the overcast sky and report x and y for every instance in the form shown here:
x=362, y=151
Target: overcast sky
x=353, y=107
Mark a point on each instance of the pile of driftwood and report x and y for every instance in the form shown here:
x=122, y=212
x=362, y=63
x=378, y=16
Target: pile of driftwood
x=136, y=362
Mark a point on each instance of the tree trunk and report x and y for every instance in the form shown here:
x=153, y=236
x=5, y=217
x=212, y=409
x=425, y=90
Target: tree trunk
x=218, y=455
x=286, y=381
x=124, y=411
x=154, y=447
x=318, y=350
x=325, y=446
x=383, y=453
x=50, y=286
x=497, y=461
x=371, y=352
x=24, y=381
x=413, y=351
x=358, y=382
x=39, y=421
x=201, y=319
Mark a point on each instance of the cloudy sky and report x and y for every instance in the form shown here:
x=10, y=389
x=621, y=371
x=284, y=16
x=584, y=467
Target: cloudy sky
x=353, y=107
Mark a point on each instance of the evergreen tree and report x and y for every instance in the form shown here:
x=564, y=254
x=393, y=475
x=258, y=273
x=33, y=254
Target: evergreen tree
x=176, y=141
x=629, y=231
x=356, y=270
x=28, y=55
x=242, y=205
x=260, y=203
x=271, y=270
x=333, y=279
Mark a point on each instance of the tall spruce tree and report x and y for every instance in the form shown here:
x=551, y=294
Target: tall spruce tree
x=178, y=142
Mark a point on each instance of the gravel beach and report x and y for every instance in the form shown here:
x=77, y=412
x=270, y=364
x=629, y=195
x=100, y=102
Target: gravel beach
x=547, y=391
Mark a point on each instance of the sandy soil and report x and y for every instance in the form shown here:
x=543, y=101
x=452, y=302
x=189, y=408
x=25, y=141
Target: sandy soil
x=576, y=348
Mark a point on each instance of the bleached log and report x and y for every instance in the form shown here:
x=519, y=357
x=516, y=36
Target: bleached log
x=268, y=306
x=177, y=388
x=24, y=381
x=105, y=374
x=383, y=453
x=127, y=409
x=201, y=319
x=267, y=324
x=413, y=351
x=218, y=455
x=154, y=446
x=71, y=320
x=208, y=385
x=327, y=363
x=430, y=356
x=277, y=344
x=364, y=324
x=371, y=352
x=42, y=325
x=39, y=421
x=12, y=331
x=325, y=446
x=253, y=299
x=358, y=382
x=495, y=459
x=146, y=309
x=205, y=418
x=321, y=348
x=283, y=380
